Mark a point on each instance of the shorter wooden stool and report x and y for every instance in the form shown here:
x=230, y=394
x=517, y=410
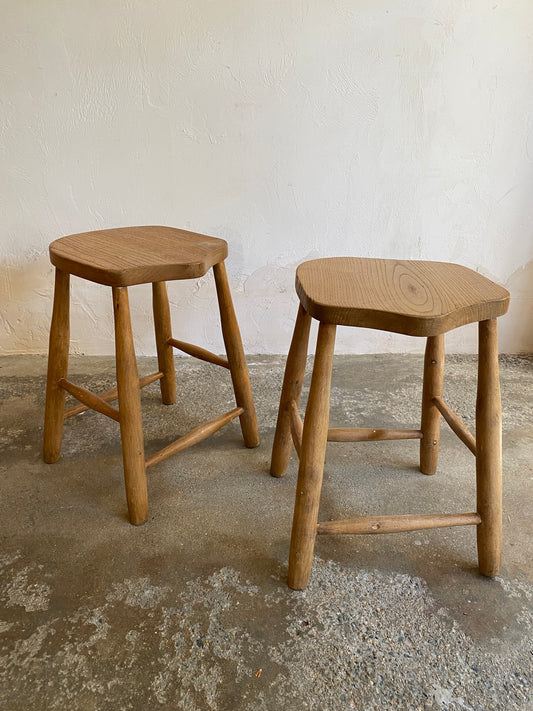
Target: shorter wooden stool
x=120, y=258
x=417, y=299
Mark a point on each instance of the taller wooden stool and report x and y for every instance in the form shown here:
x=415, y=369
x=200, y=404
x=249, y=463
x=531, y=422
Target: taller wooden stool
x=120, y=258
x=417, y=299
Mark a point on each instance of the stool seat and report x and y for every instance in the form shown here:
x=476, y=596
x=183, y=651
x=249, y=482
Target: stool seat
x=415, y=298
x=137, y=255
x=120, y=258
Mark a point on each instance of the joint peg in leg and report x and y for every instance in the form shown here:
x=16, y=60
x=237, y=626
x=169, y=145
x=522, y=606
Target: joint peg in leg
x=430, y=425
x=489, y=451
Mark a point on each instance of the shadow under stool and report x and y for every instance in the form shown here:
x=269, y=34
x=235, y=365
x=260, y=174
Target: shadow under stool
x=120, y=258
x=414, y=298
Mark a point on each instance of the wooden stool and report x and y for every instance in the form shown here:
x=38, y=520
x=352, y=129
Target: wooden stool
x=120, y=258
x=417, y=299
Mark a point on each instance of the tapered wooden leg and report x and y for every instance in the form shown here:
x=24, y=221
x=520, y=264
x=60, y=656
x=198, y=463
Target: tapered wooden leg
x=236, y=359
x=292, y=388
x=433, y=377
x=57, y=368
x=165, y=352
x=312, y=456
x=489, y=451
x=129, y=400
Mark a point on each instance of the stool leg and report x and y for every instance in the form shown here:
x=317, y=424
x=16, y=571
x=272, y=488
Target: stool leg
x=489, y=451
x=292, y=387
x=57, y=368
x=236, y=359
x=129, y=401
x=165, y=352
x=312, y=457
x=433, y=378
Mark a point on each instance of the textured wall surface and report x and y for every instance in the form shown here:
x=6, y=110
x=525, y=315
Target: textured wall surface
x=292, y=129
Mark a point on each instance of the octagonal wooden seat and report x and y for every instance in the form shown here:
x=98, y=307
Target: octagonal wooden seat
x=415, y=298
x=124, y=256
x=120, y=258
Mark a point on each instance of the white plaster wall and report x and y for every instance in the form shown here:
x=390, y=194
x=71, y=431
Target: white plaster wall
x=399, y=128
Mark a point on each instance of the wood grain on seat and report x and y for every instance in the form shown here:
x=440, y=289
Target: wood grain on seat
x=415, y=298
x=137, y=255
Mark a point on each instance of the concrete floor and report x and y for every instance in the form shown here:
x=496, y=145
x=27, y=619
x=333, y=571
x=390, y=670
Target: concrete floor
x=191, y=610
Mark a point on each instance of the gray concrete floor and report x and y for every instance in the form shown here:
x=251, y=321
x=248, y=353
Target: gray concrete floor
x=191, y=610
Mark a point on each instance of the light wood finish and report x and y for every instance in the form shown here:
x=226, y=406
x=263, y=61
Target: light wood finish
x=312, y=455
x=236, y=359
x=129, y=398
x=119, y=258
x=194, y=436
x=112, y=394
x=163, y=332
x=89, y=399
x=397, y=524
x=290, y=393
x=456, y=424
x=198, y=352
x=57, y=368
x=412, y=297
x=297, y=427
x=368, y=434
x=432, y=388
x=137, y=255
x=489, y=451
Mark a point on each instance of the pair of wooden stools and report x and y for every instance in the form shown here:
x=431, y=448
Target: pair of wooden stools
x=415, y=298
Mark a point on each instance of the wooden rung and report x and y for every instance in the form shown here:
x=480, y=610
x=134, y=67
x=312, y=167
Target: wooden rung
x=456, y=424
x=297, y=426
x=397, y=524
x=194, y=436
x=148, y=379
x=112, y=394
x=89, y=399
x=198, y=352
x=369, y=434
